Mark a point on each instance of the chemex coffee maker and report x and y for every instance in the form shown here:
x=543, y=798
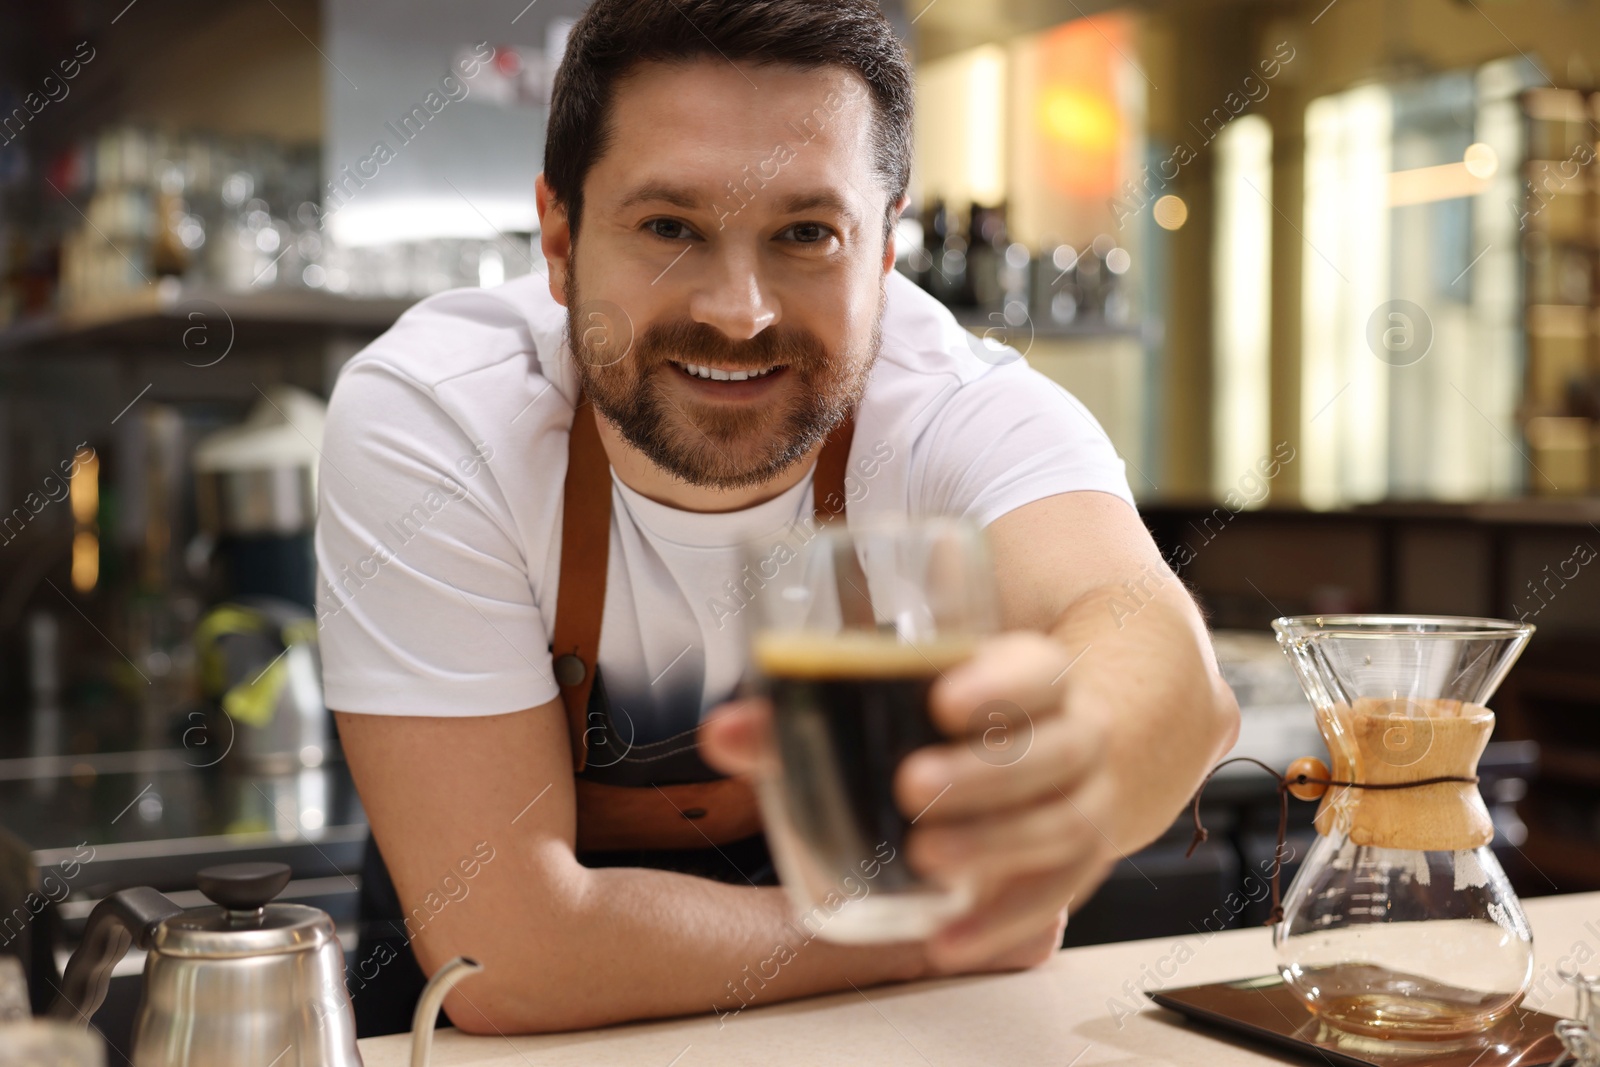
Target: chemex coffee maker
x=241, y=983
x=1400, y=924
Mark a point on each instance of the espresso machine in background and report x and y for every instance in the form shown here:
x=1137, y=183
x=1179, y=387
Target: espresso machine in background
x=255, y=493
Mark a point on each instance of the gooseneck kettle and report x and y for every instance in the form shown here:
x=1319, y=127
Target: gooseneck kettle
x=243, y=983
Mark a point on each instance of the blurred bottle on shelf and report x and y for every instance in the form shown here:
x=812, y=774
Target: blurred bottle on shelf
x=985, y=256
x=935, y=228
x=1016, y=279
x=979, y=267
x=947, y=275
x=1052, y=295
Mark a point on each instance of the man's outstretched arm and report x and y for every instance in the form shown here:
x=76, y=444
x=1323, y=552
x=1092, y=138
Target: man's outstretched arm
x=565, y=946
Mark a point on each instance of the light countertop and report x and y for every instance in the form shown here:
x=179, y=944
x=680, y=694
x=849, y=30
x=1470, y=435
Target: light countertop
x=1080, y=1008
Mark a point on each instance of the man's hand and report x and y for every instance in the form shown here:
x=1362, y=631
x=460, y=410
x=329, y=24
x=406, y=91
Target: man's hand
x=999, y=807
x=1021, y=805
x=735, y=738
x=1076, y=736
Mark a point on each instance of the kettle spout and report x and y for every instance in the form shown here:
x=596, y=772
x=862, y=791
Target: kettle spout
x=427, y=1012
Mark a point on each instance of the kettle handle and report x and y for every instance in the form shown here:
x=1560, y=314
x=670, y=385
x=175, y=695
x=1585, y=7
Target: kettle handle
x=427, y=1013
x=128, y=917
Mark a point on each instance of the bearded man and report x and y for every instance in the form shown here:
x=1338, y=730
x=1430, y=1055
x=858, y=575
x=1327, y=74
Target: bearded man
x=533, y=505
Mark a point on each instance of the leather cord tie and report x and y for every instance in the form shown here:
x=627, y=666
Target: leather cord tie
x=1285, y=783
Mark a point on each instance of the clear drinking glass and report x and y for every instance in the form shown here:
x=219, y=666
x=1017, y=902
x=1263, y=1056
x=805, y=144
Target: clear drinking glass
x=849, y=630
x=1580, y=1034
x=1401, y=924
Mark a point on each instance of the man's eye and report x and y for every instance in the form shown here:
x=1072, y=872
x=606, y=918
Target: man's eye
x=671, y=229
x=808, y=232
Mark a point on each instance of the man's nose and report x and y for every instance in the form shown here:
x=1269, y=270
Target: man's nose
x=734, y=298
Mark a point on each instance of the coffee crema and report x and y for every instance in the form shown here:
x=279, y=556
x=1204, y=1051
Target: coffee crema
x=847, y=708
x=856, y=654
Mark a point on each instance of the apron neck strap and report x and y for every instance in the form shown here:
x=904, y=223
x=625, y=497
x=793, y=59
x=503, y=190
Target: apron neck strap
x=585, y=547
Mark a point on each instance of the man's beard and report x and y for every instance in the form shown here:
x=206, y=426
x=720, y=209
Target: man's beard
x=716, y=446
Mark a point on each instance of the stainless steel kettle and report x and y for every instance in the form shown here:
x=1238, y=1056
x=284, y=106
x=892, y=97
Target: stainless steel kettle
x=246, y=983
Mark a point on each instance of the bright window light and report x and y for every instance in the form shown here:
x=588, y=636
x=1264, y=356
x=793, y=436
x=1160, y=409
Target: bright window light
x=1241, y=322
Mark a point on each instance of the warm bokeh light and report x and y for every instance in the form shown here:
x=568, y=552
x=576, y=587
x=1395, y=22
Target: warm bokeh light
x=85, y=561
x=1076, y=112
x=84, y=489
x=1480, y=160
x=1084, y=121
x=1170, y=212
x=1426, y=185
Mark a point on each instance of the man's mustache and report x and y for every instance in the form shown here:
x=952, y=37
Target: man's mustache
x=698, y=342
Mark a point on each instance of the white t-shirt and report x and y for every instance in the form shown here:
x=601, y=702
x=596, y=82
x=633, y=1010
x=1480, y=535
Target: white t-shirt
x=439, y=529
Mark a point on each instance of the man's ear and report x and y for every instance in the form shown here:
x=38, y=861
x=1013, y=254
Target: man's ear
x=555, y=237
x=888, y=245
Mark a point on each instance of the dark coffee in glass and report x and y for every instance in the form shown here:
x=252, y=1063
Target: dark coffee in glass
x=847, y=709
x=850, y=635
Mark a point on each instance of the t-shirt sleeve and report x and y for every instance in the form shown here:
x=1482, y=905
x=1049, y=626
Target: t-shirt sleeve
x=1013, y=436
x=424, y=602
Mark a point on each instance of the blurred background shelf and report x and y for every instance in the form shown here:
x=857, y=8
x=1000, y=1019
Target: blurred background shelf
x=178, y=316
x=995, y=325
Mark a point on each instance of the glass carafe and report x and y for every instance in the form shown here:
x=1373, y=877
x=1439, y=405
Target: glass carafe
x=1400, y=923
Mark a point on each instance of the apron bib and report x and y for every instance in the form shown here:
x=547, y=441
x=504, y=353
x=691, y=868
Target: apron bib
x=662, y=795
x=657, y=805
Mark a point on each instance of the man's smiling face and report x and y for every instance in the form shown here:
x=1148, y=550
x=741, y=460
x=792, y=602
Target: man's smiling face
x=726, y=295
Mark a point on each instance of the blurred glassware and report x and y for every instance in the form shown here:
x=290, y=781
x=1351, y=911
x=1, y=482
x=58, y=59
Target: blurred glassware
x=1581, y=1033
x=50, y=1043
x=1016, y=275
x=948, y=282
x=236, y=214
x=14, y=1006
x=1051, y=272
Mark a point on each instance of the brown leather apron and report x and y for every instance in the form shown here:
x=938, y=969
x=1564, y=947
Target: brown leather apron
x=661, y=795
x=639, y=805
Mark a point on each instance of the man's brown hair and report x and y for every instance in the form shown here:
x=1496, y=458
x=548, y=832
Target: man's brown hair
x=614, y=36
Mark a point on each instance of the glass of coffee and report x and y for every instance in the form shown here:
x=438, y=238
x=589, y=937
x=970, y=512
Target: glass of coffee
x=850, y=627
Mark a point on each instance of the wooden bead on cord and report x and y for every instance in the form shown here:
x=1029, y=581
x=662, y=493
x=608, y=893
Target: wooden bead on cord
x=1307, y=767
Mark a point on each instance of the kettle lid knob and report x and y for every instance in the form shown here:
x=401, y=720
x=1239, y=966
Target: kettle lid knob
x=243, y=886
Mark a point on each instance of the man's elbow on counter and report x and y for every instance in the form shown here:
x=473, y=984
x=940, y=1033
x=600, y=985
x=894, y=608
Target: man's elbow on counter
x=508, y=998
x=500, y=999
x=501, y=1012
x=469, y=1018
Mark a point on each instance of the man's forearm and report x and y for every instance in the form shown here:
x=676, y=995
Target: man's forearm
x=624, y=943
x=1145, y=663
